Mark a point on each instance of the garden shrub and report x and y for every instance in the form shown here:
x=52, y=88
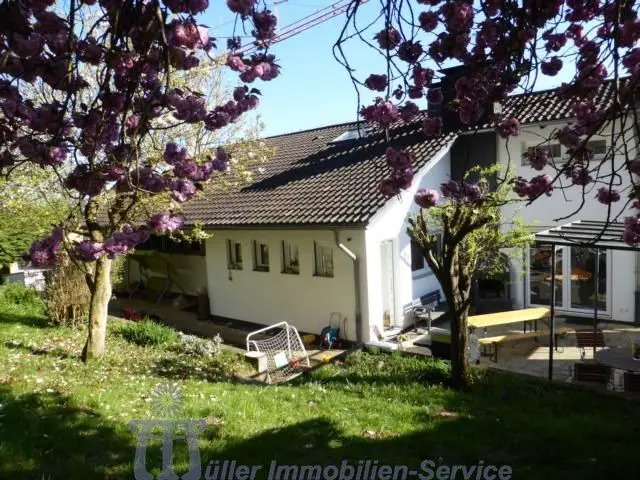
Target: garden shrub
x=66, y=294
x=18, y=294
x=199, y=347
x=146, y=333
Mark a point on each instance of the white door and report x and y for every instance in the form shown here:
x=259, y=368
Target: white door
x=387, y=283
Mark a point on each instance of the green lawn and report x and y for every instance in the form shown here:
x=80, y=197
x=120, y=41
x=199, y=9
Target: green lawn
x=60, y=419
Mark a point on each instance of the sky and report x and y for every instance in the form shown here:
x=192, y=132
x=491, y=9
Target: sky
x=313, y=89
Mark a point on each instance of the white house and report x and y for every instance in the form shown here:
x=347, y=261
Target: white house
x=312, y=238
x=619, y=271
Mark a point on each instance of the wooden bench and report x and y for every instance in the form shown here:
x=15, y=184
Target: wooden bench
x=585, y=339
x=507, y=337
x=591, y=372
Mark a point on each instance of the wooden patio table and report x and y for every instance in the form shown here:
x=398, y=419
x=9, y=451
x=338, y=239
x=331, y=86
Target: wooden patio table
x=504, y=318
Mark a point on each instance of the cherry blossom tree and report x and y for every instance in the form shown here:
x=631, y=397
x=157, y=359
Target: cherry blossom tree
x=503, y=47
x=86, y=90
x=475, y=233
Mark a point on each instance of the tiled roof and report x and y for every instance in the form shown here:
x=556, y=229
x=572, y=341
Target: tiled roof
x=546, y=106
x=311, y=181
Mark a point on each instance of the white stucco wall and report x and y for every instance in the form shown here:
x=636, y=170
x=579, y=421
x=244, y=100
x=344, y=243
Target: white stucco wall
x=304, y=300
x=190, y=270
x=547, y=212
x=390, y=224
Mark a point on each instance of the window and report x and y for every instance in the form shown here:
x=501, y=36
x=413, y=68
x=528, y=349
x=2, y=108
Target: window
x=598, y=148
x=417, y=260
x=234, y=255
x=260, y=256
x=354, y=134
x=323, y=259
x=290, y=258
x=555, y=152
x=164, y=244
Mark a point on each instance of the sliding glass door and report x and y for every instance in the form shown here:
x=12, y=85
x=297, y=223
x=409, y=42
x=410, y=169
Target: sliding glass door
x=576, y=286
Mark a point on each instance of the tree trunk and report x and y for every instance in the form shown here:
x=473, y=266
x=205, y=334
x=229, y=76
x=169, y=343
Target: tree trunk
x=457, y=293
x=100, y=295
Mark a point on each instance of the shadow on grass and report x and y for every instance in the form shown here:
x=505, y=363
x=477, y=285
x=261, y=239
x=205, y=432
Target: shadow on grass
x=549, y=435
x=43, y=436
x=27, y=317
x=33, y=350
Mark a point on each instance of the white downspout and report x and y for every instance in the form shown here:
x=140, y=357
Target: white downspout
x=356, y=282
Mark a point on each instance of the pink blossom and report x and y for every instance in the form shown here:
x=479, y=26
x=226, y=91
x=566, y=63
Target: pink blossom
x=30, y=46
x=434, y=96
x=580, y=176
x=433, y=126
x=539, y=158
x=389, y=187
x=241, y=7
x=634, y=166
x=376, y=82
x=409, y=111
x=388, y=39
x=410, y=51
x=124, y=240
x=236, y=63
x=426, y=198
x=88, y=251
x=182, y=190
x=568, y=136
x=458, y=16
x=165, y=222
x=382, y=112
x=131, y=124
x=607, y=196
x=422, y=77
x=265, y=23
x=398, y=159
x=551, y=67
x=44, y=253
x=428, y=21
x=631, y=235
x=510, y=127
x=537, y=186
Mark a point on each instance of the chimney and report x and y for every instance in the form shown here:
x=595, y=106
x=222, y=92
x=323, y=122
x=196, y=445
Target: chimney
x=448, y=110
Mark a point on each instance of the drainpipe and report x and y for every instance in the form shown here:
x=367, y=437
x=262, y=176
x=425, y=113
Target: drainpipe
x=356, y=281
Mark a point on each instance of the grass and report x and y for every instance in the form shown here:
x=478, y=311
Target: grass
x=61, y=419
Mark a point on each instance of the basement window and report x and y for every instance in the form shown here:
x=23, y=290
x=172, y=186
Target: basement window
x=234, y=255
x=260, y=256
x=323, y=259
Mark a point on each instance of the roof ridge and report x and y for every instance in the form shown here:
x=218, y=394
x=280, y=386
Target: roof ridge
x=324, y=127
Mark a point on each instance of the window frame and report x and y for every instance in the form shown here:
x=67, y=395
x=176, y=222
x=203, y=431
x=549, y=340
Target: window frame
x=288, y=266
x=555, y=159
x=413, y=245
x=165, y=244
x=316, y=272
x=597, y=156
x=425, y=270
x=258, y=254
x=233, y=248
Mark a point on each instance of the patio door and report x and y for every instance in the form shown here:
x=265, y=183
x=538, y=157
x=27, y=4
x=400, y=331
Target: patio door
x=575, y=279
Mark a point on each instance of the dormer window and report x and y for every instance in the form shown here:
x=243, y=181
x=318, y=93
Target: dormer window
x=353, y=134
